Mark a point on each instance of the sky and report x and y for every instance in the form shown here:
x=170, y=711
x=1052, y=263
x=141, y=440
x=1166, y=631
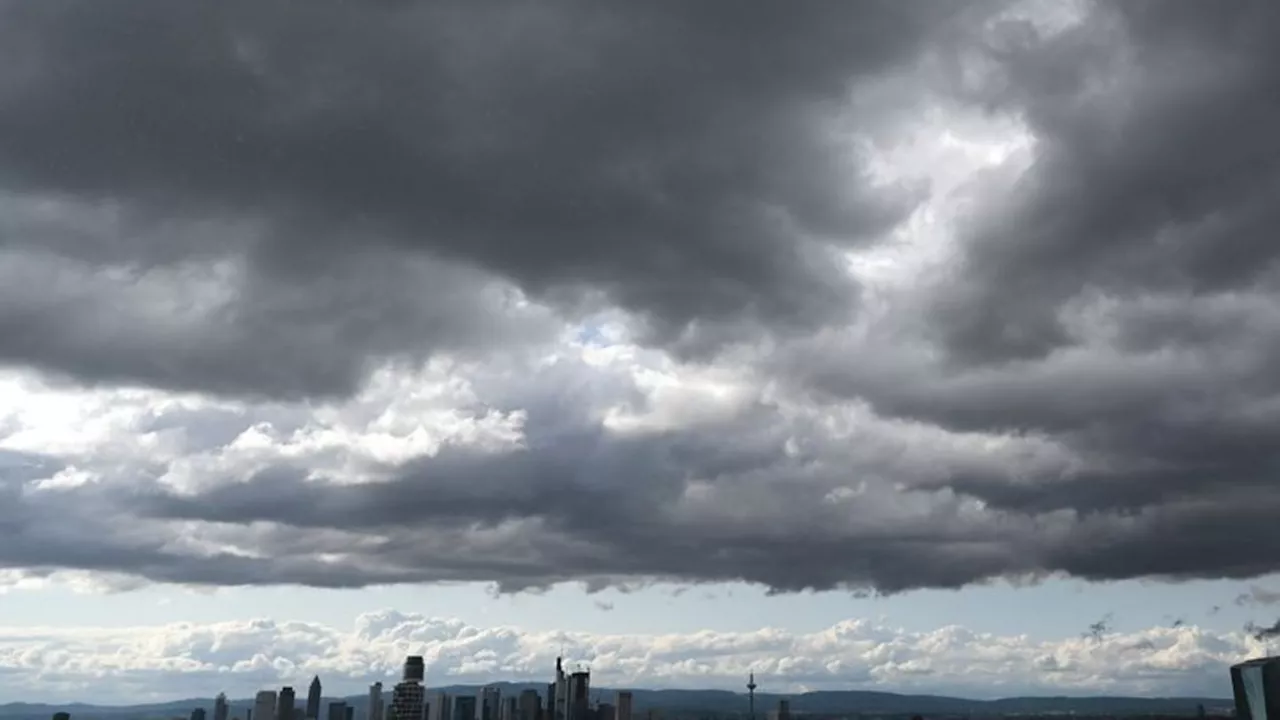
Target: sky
x=895, y=345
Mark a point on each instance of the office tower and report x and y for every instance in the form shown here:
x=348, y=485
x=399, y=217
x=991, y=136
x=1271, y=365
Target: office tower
x=407, y=701
x=623, y=704
x=220, y=707
x=299, y=713
x=414, y=668
x=577, y=700
x=62, y=716
x=783, y=712
x=337, y=710
x=510, y=708
x=374, y=709
x=489, y=703
x=561, y=693
x=313, y=700
x=350, y=712
x=198, y=714
x=464, y=707
x=264, y=705
x=530, y=705
x=605, y=711
x=284, y=707
x=1256, y=687
x=438, y=707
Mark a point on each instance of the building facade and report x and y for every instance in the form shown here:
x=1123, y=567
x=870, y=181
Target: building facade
x=284, y=708
x=374, y=709
x=313, y=699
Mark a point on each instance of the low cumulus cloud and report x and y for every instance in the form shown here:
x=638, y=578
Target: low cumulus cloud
x=194, y=660
x=871, y=296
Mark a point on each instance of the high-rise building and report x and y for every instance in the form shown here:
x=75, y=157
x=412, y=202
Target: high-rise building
x=489, y=704
x=62, y=716
x=198, y=714
x=220, y=707
x=464, y=707
x=549, y=707
x=438, y=706
x=299, y=713
x=408, y=701
x=374, y=709
x=623, y=704
x=577, y=703
x=286, y=703
x=530, y=705
x=264, y=705
x=606, y=711
x=415, y=669
x=510, y=708
x=350, y=712
x=783, y=712
x=337, y=710
x=1256, y=687
x=313, y=700
x=561, y=694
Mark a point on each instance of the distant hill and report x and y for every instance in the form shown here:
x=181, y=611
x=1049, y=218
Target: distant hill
x=706, y=702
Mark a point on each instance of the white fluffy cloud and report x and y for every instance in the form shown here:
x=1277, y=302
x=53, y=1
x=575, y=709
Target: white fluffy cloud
x=170, y=661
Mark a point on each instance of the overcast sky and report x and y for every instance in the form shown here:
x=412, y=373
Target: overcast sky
x=882, y=344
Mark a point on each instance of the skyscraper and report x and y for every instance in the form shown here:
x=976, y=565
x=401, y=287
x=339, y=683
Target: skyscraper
x=489, y=704
x=577, y=702
x=284, y=708
x=220, y=708
x=623, y=704
x=375, y=702
x=415, y=669
x=1256, y=686
x=561, y=694
x=264, y=705
x=408, y=697
x=313, y=700
x=198, y=714
x=337, y=711
x=464, y=707
x=530, y=704
x=438, y=708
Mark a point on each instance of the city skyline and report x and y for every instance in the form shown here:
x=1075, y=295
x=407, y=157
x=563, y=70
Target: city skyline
x=906, y=345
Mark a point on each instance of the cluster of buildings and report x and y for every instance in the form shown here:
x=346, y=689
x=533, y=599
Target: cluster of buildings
x=568, y=697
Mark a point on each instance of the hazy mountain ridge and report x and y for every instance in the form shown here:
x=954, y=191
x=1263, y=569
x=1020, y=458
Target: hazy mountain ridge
x=717, y=701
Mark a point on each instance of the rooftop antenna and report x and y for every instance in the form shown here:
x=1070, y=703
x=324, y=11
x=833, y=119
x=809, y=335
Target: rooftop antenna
x=751, y=695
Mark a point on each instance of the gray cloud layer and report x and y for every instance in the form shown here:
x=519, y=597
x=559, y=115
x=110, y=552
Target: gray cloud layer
x=676, y=160
x=262, y=203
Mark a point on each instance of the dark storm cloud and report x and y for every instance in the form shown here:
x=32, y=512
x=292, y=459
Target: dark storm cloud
x=1113, y=316
x=677, y=158
x=1119, y=301
x=1157, y=168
